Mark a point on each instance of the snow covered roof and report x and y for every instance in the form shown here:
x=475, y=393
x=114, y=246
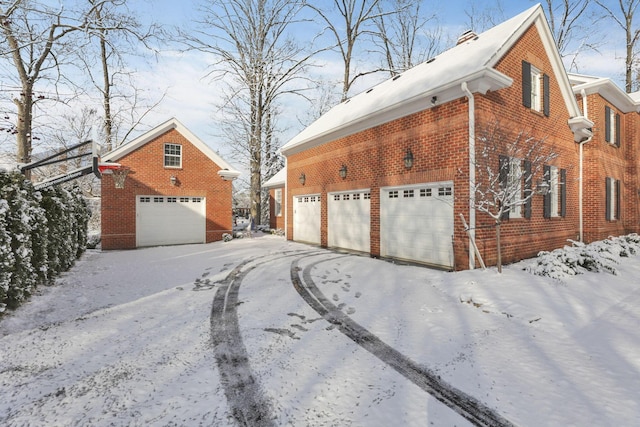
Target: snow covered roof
x=441, y=77
x=227, y=172
x=277, y=180
x=626, y=102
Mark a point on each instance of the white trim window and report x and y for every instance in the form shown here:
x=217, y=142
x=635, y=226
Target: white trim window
x=553, y=191
x=172, y=155
x=612, y=199
x=278, y=199
x=511, y=175
x=535, y=89
x=611, y=126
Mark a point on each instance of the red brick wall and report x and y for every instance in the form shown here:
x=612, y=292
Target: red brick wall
x=196, y=178
x=603, y=159
x=276, y=222
x=438, y=138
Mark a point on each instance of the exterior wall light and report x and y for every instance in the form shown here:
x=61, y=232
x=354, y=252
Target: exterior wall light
x=434, y=100
x=542, y=187
x=343, y=171
x=408, y=159
x=302, y=179
x=173, y=180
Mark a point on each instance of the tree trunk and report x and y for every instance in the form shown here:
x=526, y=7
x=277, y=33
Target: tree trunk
x=23, y=126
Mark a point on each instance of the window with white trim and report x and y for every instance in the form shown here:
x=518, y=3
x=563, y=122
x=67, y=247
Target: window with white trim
x=611, y=126
x=511, y=183
x=612, y=199
x=535, y=88
x=553, y=191
x=278, y=199
x=172, y=155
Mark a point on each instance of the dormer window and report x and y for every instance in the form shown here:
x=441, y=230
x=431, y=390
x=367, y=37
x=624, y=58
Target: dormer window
x=172, y=155
x=535, y=89
x=611, y=126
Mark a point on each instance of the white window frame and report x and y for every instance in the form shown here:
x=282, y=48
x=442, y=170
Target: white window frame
x=612, y=126
x=278, y=198
x=554, y=191
x=171, y=157
x=514, y=179
x=612, y=200
x=536, y=89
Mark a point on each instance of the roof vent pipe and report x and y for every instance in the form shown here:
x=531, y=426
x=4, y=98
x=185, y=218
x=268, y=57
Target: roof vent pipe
x=467, y=35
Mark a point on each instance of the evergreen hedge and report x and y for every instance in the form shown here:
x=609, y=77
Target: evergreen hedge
x=42, y=233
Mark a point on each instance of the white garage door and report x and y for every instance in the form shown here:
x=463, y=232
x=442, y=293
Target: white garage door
x=349, y=219
x=306, y=219
x=168, y=220
x=416, y=223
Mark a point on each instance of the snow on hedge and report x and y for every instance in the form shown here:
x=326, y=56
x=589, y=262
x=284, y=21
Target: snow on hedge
x=601, y=256
x=41, y=234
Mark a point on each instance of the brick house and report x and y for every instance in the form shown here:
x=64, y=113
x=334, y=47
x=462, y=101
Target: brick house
x=178, y=191
x=277, y=201
x=390, y=171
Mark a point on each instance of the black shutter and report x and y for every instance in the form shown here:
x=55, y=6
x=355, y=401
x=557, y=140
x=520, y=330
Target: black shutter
x=504, y=180
x=618, y=216
x=607, y=124
x=545, y=94
x=617, y=130
x=608, y=199
x=563, y=193
x=526, y=84
x=547, y=197
x=527, y=188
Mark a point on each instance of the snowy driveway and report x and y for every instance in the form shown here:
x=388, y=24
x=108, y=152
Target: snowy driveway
x=126, y=339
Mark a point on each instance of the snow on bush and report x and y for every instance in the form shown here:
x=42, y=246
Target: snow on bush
x=41, y=234
x=579, y=257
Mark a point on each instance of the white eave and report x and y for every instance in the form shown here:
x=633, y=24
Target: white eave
x=277, y=180
x=606, y=88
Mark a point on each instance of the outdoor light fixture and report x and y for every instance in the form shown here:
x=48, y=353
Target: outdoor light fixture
x=434, y=100
x=343, y=171
x=408, y=159
x=302, y=179
x=542, y=187
x=173, y=180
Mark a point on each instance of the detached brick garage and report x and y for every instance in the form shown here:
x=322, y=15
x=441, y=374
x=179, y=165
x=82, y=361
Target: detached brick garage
x=390, y=171
x=178, y=191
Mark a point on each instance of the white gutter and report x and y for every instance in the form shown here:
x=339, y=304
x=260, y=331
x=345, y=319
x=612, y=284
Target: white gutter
x=472, y=173
x=585, y=112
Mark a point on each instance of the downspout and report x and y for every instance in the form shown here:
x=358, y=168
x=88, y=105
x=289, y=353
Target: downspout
x=285, y=199
x=585, y=112
x=472, y=174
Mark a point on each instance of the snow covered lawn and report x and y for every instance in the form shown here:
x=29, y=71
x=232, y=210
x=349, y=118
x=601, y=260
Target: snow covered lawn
x=125, y=338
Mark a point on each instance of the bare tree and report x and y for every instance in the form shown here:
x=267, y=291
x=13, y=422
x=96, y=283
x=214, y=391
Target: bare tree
x=622, y=15
x=398, y=36
x=32, y=42
x=506, y=164
x=485, y=17
x=258, y=64
x=356, y=18
x=118, y=33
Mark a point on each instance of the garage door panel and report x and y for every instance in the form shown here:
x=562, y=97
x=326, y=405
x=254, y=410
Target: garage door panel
x=349, y=220
x=417, y=223
x=169, y=220
x=306, y=219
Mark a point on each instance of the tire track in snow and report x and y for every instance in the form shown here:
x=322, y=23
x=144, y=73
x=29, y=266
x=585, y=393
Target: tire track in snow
x=244, y=394
x=467, y=406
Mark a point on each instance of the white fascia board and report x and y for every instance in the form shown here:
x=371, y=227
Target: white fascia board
x=485, y=80
x=606, y=88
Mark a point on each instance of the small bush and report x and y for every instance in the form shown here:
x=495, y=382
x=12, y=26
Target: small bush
x=580, y=258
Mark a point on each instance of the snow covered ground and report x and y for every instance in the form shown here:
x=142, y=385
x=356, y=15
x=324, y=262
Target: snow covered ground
x=126, y=338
